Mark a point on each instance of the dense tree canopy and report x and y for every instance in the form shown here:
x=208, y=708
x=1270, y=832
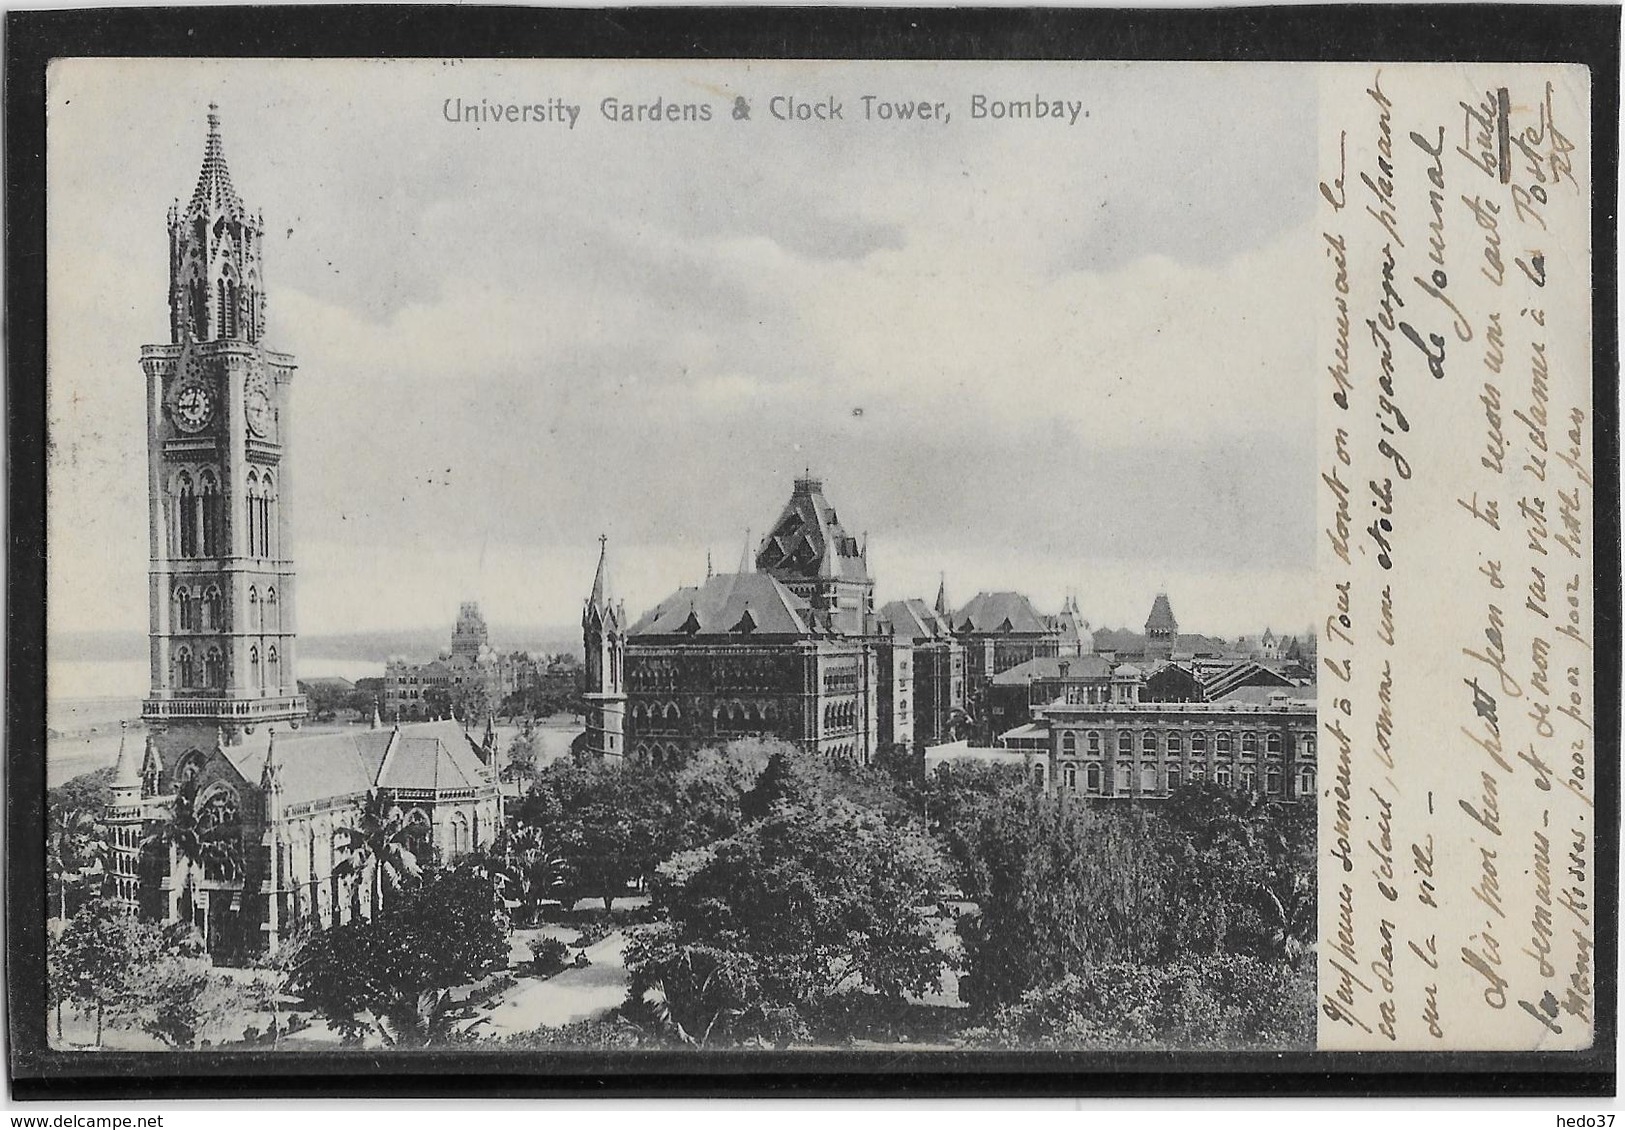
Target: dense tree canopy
x=814, y=896
x=373, y=975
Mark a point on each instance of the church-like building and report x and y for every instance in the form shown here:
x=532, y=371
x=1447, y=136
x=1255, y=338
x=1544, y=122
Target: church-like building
x=229, y=818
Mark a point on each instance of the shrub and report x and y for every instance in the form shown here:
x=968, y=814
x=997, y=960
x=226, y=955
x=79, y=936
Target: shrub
x=593, y=931
x=549, y=955
x=1226, y=1002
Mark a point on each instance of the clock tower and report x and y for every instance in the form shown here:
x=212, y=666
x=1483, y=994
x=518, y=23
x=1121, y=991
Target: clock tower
x=221, y=578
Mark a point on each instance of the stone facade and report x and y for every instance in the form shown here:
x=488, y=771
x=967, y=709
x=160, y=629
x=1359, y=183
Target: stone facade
x=1146, y=750
x=221, y=576
x=790, y=649
x=224, y=821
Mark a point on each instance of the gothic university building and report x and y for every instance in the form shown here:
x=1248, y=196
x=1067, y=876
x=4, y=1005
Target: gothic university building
x=228, y=818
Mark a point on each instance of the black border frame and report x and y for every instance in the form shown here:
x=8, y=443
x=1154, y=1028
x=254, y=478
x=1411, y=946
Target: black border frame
x=1447, y=32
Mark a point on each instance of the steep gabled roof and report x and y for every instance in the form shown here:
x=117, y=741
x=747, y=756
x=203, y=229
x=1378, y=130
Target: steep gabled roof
x=913, y=620
x=721, y=605
x=431, y=756
x=349, y=763
x=808, y=541
x=1008, y=612
x=1162, y=616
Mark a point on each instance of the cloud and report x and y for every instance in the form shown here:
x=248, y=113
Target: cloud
x=1036, y=356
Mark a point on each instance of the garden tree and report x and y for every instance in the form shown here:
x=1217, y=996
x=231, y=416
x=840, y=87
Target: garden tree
x=520, y=763
x=1250, y=860
x=91, y=792
x=957, y=796
x=1220, y=1002
x=56, y=987
x=904, y=764
x=370, y=975
x=708, y=790
x=611, y=825
x=383, y=837
x=74, y=841
x=111, y=965
x=1061, y=885
x=817, y=897
x=200, y=844
x=523, y=865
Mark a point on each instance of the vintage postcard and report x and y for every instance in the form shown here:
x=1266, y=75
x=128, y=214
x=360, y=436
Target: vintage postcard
x=699, y=555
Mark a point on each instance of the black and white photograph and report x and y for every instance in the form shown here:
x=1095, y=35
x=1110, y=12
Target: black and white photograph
x=761, y=556
x=672, y=555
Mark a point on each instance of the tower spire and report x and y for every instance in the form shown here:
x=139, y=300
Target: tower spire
x=126, y=773
x=600, y=580
x=942, y=594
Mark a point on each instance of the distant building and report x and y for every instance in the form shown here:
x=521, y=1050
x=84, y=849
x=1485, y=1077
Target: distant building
x=938, y=692
x=1161, y=629
x=471, y=677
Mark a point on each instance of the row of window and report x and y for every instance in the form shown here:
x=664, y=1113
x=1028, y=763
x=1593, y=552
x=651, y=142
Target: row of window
x=236, y=308
x=1151, y=741
x=198, y=515
x=1155, y=779
x=208, y=672
x=203, y=609
x=840, y=715
x=839, y=679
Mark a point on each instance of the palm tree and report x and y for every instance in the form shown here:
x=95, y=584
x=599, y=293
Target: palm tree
x=212, y=847
x=72, y=844
x=383, y=837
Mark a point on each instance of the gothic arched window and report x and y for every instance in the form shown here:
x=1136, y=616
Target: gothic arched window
x=214, y=669
x=183, y=667
x=268, y=613
x=185, y=516
x=255, y=675
x=209, y=513
x=273, y=673
x=267, y=516
x=214, y=610
x=183, y=609
x=254, y=615
x=251, y=495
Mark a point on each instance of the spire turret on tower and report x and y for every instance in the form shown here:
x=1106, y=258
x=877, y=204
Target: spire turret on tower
x=215, y=293
x=603, y=639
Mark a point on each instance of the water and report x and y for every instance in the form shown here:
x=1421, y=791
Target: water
x=86, y=701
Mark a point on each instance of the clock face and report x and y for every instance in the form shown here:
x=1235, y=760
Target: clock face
x=193, y=407
x=257, y=405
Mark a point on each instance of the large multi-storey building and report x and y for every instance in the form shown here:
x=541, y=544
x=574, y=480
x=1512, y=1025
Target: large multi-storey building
x=1133, y=749
x=789, y=650
x=224, y=822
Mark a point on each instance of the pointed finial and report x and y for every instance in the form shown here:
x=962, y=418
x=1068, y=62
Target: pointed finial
x=214, y=117
x=708, y=564
x=744, y=558
x=600, y=580
x=219, y=737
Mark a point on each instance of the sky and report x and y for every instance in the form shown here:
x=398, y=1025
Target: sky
x=1024, y=355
